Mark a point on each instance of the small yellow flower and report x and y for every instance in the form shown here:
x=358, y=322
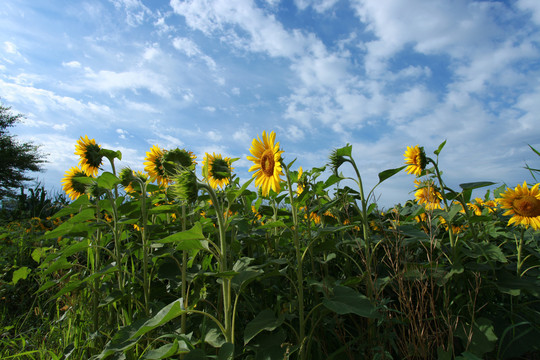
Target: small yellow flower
x=73, y=188
x=267, y=159
x=154, y=166
x=91, y=159
x=524, y=204
x=300, y=186
x=415, y=157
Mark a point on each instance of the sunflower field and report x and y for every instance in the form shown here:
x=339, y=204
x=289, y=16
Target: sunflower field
x=184, y=261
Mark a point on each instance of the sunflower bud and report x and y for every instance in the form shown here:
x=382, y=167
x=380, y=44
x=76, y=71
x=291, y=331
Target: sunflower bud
x=336, y=160
x=185, y=186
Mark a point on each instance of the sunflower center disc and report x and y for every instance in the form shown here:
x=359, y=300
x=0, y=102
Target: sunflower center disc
x=528, y=206
x=267, y=163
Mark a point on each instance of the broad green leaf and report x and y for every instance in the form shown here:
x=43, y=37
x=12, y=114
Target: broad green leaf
x=483, y=338
x=163, y=352
x=165, y=315
x=332, y=179
x=226, y=352
x=40, y=253
x=270, y=346
x=107, y=180
x=111, y=154
x=347, y=301
x=75, y=207
x=77, y=223
x=475, y=185
x=20, y=273
x=59, y=264
x=389, y=173
x=438, y=151
x=264, y=321
x=187, y=240
x=344, y=151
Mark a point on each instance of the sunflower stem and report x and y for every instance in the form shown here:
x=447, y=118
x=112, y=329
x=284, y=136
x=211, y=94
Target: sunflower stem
x=223, y=266
x=443, y=194
x=299, y=272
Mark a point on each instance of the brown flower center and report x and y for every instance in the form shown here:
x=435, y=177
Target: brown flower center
x=528, y=206
x=267, y=163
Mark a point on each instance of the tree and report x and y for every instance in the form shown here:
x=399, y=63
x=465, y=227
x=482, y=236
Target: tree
x=16, y=158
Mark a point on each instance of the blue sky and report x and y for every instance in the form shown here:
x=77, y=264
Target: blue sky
x=209, y=76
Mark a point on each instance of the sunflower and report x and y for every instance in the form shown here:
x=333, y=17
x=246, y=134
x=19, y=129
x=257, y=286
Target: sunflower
x=217, y=170
x=415, y=157
x=267, y=159
x=91, y=159
x=428, y=195
x=74, y=189
x=524, y=204
x=154, y=166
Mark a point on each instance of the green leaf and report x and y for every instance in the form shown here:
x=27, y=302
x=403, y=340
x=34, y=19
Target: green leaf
x=265, y=320
x=533, y=149
x=475, y=185
x=188, y=239
x=111, y=154
x=78, y=223
x=107, y=180
x=20, y=273
x=163, y=352
x=226, y=352
x=389, y=173
x=344, y=151
x=39, y=253
x=438, y=151
x=232, y=195
x=273, y=224
x=165, y=315
x=347, y=301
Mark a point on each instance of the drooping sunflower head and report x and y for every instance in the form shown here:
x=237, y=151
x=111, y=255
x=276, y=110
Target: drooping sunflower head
x=428, y=195
x=185, y=186
x=415, y=157
x=217, y=170
x=71, y=186
x=178, y=158
x=154, y=166
x=89, y=152
x=267, y=163
x=524, y=204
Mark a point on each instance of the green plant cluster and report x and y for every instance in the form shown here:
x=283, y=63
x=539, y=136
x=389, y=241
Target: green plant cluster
x=315, y=273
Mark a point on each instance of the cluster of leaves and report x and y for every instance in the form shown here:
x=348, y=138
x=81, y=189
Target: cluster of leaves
x=319, y=273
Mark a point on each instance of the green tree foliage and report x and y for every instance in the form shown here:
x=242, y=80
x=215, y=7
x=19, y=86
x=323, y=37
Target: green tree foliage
x=16, y=158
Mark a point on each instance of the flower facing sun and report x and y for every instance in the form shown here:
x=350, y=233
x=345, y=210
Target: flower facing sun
x=267, y=159
x=217, y=170
x=415, y=157
x=71, y=186
x=524, y=204
x=154, y=166
x=91, y=159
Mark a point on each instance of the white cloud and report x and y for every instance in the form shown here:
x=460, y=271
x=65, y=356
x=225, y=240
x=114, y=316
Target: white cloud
x=188, y=47
x=533, y=6
x=10, y=48
x=318, y=5
x=46, y=99
x=72, y=64
x=135, y=10
x=110, y=81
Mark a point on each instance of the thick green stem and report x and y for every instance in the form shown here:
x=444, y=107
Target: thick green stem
x=183, y=318
x=299, y=271
x=223, y=265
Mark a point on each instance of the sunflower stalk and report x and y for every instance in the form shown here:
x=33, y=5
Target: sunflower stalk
x=223, y=265
x=299, y=266
x=445, y=201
